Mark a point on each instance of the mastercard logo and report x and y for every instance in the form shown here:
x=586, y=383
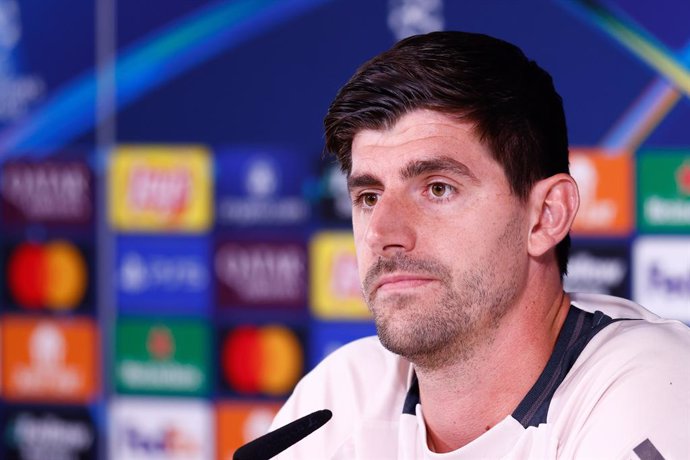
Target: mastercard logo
x=51, y=275
x=262, y=359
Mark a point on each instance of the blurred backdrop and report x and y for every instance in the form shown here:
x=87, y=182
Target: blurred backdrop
x=175, y=251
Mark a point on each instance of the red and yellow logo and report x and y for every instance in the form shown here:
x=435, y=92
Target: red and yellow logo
x=49, y=360
x=266, y=359
x=241, y=422
x=53, y=275
x=605, y=182
x=158, y=188
x=335, y=287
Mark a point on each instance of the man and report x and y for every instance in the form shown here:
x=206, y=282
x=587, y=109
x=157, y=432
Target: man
x=456, y=155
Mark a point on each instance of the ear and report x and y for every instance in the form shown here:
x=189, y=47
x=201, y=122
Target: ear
x=553, y=205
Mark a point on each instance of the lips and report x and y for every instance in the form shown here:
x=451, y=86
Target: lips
x=403, y=273
x=394, y=282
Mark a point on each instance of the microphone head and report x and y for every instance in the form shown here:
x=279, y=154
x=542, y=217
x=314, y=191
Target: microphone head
x=273, y=443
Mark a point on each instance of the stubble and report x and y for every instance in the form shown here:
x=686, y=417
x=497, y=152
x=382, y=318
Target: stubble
x=435, y=329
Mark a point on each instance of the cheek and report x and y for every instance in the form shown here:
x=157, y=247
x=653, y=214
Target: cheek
x=359, y=225
x=464, y=242
x=361, y=252
x=364, y=260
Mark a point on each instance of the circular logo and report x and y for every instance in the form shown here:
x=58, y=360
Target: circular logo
x=265, y=359
x=26, y=276
x=51, y=275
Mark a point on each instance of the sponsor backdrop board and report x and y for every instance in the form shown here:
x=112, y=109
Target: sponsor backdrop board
x=336, y=291
x=47, y=192
x=664, y=191
x=163, y=274
x=51, y=360
x=661, y=277
x=237, y=423
x=256, y=274
x=606, y=205
x=161, y=429
x=261, y=187
x=48, y=275
x=38, y=433
x=259, y=359
x=175, y=250
x=602, y=268
x=162, y=357
x=160, y=188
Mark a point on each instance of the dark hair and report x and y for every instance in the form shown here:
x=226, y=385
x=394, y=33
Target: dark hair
x=489, y=82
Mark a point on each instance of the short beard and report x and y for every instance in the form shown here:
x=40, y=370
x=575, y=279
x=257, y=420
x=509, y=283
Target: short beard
x=465, y=315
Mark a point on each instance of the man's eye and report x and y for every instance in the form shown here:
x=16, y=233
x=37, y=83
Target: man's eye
x=439, y=190
x=369, y=199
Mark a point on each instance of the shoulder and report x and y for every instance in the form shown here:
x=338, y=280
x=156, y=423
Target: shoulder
x=362, y=355
x=636, y=334
x=360, y=364
x=615, y=307
x=630, y=385
x=357, y=381
x=636, y=341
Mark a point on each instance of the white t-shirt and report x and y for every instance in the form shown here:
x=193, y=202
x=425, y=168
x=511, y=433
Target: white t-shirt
x=611, y=389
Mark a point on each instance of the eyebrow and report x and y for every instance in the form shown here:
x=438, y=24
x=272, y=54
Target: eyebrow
x=441, y=164
x=413, y=169
x=363, y=181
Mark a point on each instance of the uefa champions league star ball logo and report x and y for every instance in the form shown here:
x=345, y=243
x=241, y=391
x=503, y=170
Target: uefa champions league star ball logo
x=262, y=179
x=10, y=30
x=134, y=276
x=412, y=17
x=18, y=91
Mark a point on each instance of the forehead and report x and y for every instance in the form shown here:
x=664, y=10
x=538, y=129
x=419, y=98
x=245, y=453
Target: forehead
x=419, y=135
x=418, y=124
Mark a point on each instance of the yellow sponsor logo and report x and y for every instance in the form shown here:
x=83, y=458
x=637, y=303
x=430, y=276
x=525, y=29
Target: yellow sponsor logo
x=335, y=286
x=154, y=188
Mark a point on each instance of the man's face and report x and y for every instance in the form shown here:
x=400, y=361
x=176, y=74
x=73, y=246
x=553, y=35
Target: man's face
x=440, y=238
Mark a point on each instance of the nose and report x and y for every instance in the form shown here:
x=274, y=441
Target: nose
x=390, y=229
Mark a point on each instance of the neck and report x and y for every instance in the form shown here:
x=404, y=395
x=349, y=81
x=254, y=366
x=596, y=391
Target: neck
x=467, y=397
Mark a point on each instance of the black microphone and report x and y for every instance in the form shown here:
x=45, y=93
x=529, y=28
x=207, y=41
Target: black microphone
x=273, y=443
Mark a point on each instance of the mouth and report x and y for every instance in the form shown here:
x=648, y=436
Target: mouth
x=401, y=282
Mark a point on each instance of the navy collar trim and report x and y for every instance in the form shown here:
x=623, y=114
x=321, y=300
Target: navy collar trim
x=578, y=329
